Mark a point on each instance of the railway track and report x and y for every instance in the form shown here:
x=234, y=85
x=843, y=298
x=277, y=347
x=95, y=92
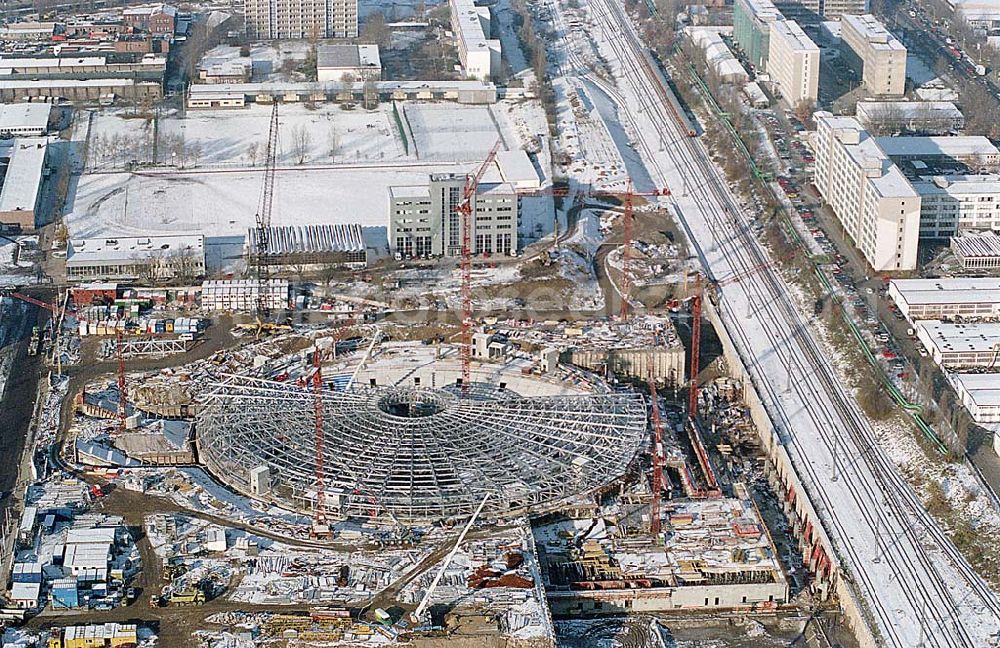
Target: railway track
x=901, y=529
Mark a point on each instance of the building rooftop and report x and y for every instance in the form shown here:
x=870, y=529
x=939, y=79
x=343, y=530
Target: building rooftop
x=413, y=192
x=976, y=244
x=957, y=184
x=909, y=109
x=149, y=10
x=884, y=176
x=959, y=145
x=959, y=338
x=794, y=35
x=17, y=116
x=25, y=591
x=516, y=168
x=100, y=631
x=348, y=56
x=81, y=252
x=874, y=32
x=87, y=555
x=312, y=86
x=963, y=290
x=470, y=25
x=24, y=173
x=983, y=389
x=311, y=238
x=764, y=10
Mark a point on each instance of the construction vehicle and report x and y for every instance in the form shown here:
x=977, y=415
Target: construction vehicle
x=264, y=328
x=170, y=572
x=417, y=618
x=187, y=596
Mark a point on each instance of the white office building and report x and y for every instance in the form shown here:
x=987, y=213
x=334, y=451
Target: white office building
x=957, y=346
x=871, y=198
x=953, y=204
x=793, y=63
x=881, y=57
x=425, y=221
x=479, y=54
x=968, y=298
x=24, y=119
x=980, y=394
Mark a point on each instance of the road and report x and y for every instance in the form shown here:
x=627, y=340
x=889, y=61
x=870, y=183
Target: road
x=915, y=586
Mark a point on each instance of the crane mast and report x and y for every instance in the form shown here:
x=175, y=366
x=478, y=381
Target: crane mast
x=465, y=211
x=263, y=217
x=320, y=526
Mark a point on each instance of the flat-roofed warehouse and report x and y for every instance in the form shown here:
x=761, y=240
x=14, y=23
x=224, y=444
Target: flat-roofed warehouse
x=358, y=61
x=968, y=149
x=960, y=345
x=309, y=247
x=926, y=117
x=925, y=299
x=977, y=250
x=24, y=119
x=22, y=170
x=79, y=89
x=135, y=257
x=980, y=393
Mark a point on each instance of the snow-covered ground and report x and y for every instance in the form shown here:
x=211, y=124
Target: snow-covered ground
x=445, y=131
x=900, y=562
x=223, y=203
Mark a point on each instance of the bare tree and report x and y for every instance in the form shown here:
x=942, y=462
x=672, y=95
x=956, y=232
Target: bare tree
x=251, y=153
x=194, y=151
x=333, y=142
x=375, y=30
x=370, y=92
x=301, y=139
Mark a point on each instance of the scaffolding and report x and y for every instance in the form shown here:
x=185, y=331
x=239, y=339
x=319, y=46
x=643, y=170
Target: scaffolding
x=416, y=454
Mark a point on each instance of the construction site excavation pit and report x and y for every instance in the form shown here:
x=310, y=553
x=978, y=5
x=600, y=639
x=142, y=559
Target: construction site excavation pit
x=406, y=442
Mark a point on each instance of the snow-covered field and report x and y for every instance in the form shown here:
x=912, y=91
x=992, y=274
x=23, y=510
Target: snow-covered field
x=223, y=203
x=445, y=131
x=237, y=138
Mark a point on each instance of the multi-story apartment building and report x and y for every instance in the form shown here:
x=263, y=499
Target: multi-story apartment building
x=274, y=19
x=472, y=25
x=871, y=198
x=793, y=63
x=752, y=20
x=952, y=204
x=425, y=220
x=809, y=11
x=881, y=57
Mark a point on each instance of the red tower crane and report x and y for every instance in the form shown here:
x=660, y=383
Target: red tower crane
x=260, y=256
x=465, y=209
x=655, y=512
x=122, y=385
x=628, y=197
x=320, y=528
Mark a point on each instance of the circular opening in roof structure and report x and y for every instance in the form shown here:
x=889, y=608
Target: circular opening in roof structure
x=413, y=403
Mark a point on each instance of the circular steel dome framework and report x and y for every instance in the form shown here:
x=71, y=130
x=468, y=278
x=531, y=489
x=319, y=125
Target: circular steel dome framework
x=415, y=454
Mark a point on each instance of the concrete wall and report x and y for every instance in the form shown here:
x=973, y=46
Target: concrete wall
x=819, y=555
x=757, y=595
x=663, y=364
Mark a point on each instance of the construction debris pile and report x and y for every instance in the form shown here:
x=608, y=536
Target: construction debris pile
x=497, y=577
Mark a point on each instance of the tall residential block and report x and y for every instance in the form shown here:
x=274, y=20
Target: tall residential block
x=793, y=63
x=871, y=198
x=881, y=57
x=274, y=19
x=472, y=25
x=810, y=11
x=425, y=220
x=752, y=21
